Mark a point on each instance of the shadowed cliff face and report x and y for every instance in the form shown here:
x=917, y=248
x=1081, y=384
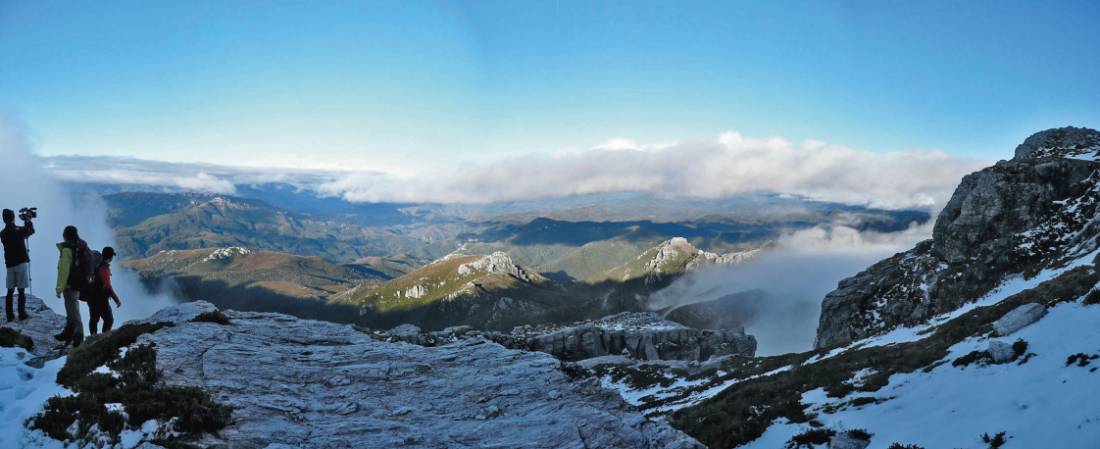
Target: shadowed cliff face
x=1013, y=218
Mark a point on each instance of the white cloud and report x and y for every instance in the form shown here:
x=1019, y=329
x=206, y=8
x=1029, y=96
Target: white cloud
x=26, y=183
x=198, y=182
x=797, y=272
x=196, y=177
x=729, y=165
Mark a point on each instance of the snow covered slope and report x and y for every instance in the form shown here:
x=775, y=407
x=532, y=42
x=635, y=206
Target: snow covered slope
x=1045, y=401
x=935, y=385
x=23, y=390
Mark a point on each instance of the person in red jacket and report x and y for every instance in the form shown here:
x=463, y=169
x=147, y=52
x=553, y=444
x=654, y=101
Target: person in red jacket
x=98, y=307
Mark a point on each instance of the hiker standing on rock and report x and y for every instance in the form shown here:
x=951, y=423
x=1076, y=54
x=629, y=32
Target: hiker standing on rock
x=75, y=271
x=17, y=260
x=100, y=292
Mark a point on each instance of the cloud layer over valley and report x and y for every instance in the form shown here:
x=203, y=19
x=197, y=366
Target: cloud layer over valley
x=728, y=165
x=26, y=183
x=795, y=275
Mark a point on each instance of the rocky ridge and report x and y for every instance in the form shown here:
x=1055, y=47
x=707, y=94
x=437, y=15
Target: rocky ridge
x=674, y=257
x=637, y=335
x=1015, y=218
x=302, y=383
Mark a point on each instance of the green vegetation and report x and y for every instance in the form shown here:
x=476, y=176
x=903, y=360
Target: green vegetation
x=147, y=223
x=280, y=273
x=190, y=409
x=994, y=441
x=1019, y=347
x=636, y=268
x=1081, y=359
x=10, y=338
x=979, y=357
x=97, y=351
x=134, y=386
x=859, y=434
x=811, y=438
x=216, y=317
x=1092, y=298
x=638, y=377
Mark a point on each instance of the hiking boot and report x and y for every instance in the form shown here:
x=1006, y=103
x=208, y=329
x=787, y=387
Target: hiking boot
x=23, y=315
x=11, y=317
x=61, y=337
x=78, y=340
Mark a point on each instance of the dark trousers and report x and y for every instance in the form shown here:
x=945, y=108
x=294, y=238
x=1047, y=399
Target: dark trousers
x=22, y=303
x=100, y=309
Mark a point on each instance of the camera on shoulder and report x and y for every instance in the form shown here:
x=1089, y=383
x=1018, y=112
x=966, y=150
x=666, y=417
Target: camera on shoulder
x=28, y=213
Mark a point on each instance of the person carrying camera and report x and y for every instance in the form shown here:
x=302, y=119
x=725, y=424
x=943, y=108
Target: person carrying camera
x=17, y=260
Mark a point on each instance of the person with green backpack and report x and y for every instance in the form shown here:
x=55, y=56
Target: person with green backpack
x=75, y=272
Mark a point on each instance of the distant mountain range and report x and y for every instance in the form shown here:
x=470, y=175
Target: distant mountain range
x=382, y=264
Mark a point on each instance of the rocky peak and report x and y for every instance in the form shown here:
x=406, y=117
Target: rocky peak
x=1014, y=218
x=227, y=253
x=678, y=254
x=1068, y=141
x=670, y=251
x=498, y=262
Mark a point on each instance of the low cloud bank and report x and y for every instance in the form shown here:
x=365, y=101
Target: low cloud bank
x=190, y=177
x=729, y=165
x=795, y=275
x=24, y=182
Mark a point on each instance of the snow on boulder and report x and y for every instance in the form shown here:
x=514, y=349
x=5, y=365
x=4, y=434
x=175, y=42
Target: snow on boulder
x=1019, y=318
x=1000, y=351
x=848, y=440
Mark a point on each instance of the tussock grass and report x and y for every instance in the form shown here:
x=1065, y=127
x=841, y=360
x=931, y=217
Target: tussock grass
x=135, y=385
x=11, y=338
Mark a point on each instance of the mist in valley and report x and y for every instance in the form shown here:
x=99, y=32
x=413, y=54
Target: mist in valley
x=794, y=277
x=24, y=182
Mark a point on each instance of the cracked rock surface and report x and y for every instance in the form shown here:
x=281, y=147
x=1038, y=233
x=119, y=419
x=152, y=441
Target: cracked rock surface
x=301, y=383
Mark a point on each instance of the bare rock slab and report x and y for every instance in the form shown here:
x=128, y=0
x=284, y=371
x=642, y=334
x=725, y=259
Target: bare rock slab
x=1019, y=318
x=300, y=383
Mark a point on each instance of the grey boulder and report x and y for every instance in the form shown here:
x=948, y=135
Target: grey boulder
x=1019, y=318
x=1000, y=351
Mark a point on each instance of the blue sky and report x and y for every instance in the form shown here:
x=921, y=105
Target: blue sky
x=383, y=84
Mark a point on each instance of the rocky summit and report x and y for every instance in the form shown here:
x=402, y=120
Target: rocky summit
x=636, y=335
x=300, y=383
x=1015, y=218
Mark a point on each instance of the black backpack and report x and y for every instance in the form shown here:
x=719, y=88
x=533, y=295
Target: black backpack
x=82, y=270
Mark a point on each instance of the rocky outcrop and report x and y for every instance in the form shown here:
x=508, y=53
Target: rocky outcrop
x=643, y=336
x=674, y=257
x=40, y=328
x=498, y=262
x=1014, y=218
x=416, y=291
x=300, y=383
x=639, y=335
x=1000, y=352
x=1019, y=318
